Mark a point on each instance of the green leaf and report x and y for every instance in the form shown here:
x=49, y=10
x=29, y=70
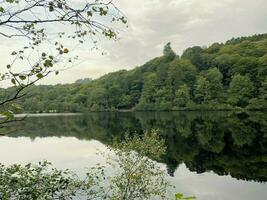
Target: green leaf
x=2, y=9
x=8, y=66
x=13, y=81
x=22, y=77
x=89, y=14
x=48, y=63
x=40, y=75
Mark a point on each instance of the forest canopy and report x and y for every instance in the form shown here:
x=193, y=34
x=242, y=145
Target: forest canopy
x=224, y=76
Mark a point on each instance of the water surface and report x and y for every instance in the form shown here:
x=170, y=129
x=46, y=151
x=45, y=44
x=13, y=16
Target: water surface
x=212, y=155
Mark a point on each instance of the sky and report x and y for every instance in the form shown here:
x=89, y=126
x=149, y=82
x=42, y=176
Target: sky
x=153, y=23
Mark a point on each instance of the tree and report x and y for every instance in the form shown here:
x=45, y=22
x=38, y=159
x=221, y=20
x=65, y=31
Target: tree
x=209, y=86
x=153, y=85
x=225, y=63
x=263, y=90
x=214, y=77
x=182, y=96
x=194, y=55
x=163, y=99
x=99, y=97
x=168, y=52
x=240, y=90
x=30, y=20
x=260, y=102
x=148, y=99
x=201, y=90
x=181, y=71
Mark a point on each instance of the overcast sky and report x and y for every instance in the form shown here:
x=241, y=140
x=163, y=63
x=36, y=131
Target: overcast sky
x=153, y=23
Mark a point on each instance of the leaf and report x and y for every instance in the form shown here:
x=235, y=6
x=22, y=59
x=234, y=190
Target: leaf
x=2, y=9
x=89, y=14
x=59, y=5
x=66, y=50
x=8, y=66
x=40, y=75
x=13, y=81
x=22, y=77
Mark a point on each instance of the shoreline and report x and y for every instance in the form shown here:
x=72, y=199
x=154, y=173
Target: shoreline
x=42, y=115
x=131, y=111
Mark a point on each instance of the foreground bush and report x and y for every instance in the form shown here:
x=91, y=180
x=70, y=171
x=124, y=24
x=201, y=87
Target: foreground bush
x=135, y=176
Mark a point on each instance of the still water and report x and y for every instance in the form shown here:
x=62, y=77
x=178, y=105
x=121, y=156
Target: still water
x=212, y=155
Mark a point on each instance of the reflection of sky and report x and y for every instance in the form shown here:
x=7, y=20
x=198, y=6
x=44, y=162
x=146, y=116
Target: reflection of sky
x=63, y=152
x=210, y=186
x=77, y=154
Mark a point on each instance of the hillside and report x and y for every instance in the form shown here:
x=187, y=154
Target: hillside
x=221, y=77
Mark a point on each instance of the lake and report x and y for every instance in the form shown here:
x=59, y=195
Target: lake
x=212, y=155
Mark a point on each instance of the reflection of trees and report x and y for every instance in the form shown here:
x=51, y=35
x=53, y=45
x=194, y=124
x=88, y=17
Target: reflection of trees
x=243, y=131
x=225, y=143
x=210, y=135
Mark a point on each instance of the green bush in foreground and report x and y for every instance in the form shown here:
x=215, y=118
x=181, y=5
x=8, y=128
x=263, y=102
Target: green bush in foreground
x=135, y=176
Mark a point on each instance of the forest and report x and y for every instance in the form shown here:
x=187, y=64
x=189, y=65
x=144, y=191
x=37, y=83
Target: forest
x=223, y=76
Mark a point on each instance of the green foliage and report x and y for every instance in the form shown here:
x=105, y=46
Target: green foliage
x=138, y=177
x=209, y=86
x=240, y=90
x=220, y=77
x=43, y=50
x=36, y=182
x=182, y=96
x=168, y=52
x=135, y=176
x=214, y=78
x=194, y=54
x=202, y=90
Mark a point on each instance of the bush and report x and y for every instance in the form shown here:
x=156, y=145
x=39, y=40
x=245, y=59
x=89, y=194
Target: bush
x=135, y=176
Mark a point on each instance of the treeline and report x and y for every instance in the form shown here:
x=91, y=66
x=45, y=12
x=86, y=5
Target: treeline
x=225, y=76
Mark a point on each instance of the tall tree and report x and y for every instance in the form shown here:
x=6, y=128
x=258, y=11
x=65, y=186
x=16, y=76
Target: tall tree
x=194, y=55
x=168, y=52
x=214, y=77
x=240, y=90
x=182, y=96
x=201, y=90
x=209, y=86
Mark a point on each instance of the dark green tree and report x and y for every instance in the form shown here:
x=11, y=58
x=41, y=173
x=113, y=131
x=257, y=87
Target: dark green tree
x=182, y=96
x=168, y=52
x=240, y=90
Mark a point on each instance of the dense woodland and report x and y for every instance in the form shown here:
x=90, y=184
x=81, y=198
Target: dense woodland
x=224, y=76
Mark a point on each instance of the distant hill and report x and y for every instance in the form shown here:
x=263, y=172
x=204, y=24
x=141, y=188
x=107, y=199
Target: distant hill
x=224, y=76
